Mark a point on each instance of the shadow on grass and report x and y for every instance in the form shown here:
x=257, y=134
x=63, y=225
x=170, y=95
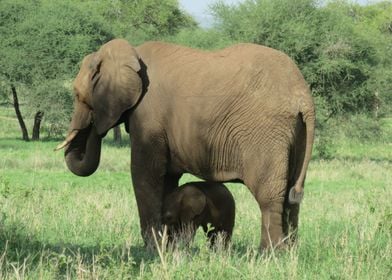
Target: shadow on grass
x=16, y=247
x=361, y=159
x=355, y=159
x=42, y=140
x=11, y=141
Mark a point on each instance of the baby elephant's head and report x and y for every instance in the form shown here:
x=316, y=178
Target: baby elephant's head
x=183, y=205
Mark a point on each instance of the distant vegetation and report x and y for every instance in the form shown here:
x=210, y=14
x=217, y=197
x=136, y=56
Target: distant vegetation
x=343, y=49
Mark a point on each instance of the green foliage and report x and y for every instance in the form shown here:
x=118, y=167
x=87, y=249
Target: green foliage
x=207, y=39
x=42, y=45
x=44, y=41
x=378, y=17
x=57, y=104
x=15, y=65
x=353, y=136
x=5, y=97
x=342, y=48
x=281, y=24
x=47, y=39
x=147, y=19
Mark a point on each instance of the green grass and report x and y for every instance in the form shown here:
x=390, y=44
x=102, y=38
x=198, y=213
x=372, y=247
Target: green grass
x=54, y=225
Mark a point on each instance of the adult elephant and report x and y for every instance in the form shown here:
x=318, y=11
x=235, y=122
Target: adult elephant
x=242, y=114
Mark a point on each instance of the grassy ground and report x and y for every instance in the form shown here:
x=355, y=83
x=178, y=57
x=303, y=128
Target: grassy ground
x=55, y=225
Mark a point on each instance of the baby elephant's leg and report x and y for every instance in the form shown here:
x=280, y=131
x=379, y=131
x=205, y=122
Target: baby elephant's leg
x=184, y=234
x=215, y=235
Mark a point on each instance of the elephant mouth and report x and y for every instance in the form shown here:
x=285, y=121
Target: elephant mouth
x=67, y=140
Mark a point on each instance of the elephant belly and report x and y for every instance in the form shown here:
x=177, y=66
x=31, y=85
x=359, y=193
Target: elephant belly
x=202, y=167
x=222, y=176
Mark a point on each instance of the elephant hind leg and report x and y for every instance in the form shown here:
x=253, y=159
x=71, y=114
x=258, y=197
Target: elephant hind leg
x=290, y=221
x=267, y=176
x=270, y=198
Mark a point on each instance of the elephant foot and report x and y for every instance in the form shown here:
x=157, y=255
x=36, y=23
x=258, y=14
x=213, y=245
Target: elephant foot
x=275, y=250
x=273, y=236
x=284, y=244
x=180, y=236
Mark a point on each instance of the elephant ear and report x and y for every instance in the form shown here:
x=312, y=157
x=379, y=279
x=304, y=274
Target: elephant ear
x=116, y=84
x=193, y=203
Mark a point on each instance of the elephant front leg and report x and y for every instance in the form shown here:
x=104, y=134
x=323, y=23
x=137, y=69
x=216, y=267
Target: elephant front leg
x=149, y=193
x=170, y=184
x=148, y=170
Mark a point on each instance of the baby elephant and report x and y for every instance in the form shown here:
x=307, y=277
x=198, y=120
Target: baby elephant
x=198, y=204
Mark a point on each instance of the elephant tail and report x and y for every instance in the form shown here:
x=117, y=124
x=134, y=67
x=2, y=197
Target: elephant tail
x=308, y=118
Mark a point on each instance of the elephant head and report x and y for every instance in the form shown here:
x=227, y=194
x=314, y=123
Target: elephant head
x=183, y=206
x=106, y=86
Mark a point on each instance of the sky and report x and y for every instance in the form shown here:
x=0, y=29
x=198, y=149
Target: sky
x=199, y=8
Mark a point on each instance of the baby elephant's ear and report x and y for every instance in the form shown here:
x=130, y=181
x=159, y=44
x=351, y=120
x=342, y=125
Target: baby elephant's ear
x=193, y=204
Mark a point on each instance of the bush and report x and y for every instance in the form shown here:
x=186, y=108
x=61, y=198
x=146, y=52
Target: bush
x=360, y=127
x=209, y=39
x=338, y=46
x=57, y=106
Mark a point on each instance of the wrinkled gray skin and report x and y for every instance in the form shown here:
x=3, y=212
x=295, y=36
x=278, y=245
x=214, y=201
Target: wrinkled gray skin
x=199, y=204
x=241, y=114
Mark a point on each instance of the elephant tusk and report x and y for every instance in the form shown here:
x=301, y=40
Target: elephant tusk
x=67, y=140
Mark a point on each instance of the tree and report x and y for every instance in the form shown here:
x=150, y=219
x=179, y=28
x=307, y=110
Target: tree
x=209, y=39
x=377, y=19
x=14, y=68
x=147, y=19
x=25, y=134
x=42, y=44
x=335, y=49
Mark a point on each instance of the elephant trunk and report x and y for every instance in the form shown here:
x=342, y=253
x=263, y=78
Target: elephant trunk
x=83, y=153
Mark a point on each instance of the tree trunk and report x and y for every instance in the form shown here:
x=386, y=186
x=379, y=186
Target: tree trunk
x=37, y=125
x=25, y=134
x=117, y=135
